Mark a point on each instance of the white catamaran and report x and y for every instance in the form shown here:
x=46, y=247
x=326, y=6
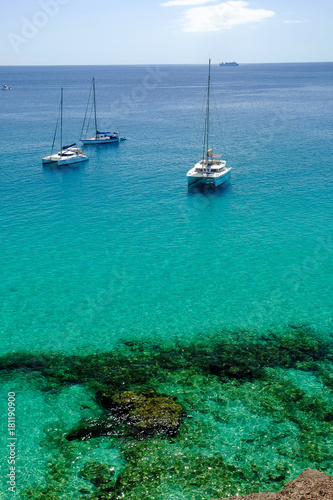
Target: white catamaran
x=99, y=137
x=67, y=154
x=211, y=169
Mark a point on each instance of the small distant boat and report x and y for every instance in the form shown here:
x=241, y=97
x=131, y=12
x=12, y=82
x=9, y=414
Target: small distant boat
x=233, y=63
x=99, y=137
x=68, y=154
x=211, y=169
x=5, y=87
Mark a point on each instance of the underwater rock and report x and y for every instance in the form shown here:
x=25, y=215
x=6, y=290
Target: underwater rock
x=131, y=414
x=147, y=411
x=241, y=370
x=215, y=369
x=311, y=484
x=40, y=493
x=93, y=427
x=122, y=402
x=96, y=473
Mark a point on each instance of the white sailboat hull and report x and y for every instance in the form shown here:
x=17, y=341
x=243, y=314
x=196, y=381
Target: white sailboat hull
x=72, y=159
x=205, y=177
x=49, y=159
x=67, y=158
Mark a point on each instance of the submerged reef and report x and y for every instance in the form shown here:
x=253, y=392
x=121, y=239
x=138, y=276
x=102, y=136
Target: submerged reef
x=144, y=413
x=231, y=416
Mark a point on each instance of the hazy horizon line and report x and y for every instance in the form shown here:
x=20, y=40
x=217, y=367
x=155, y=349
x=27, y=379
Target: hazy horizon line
x=156, y=64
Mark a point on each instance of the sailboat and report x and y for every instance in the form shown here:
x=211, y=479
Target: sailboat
x=68, y=154
x=211, y=169
x=99, y=137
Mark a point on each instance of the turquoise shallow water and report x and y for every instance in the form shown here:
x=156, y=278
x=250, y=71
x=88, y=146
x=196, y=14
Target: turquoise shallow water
x=117, y=249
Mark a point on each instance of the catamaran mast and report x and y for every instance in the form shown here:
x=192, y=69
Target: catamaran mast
x=61, y=106
x=206, y=136
x=95, y=105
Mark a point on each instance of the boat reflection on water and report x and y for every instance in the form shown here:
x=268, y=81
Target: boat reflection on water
x=208, y=189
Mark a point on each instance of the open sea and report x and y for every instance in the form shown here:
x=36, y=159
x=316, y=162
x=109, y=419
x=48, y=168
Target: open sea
x=115, y=277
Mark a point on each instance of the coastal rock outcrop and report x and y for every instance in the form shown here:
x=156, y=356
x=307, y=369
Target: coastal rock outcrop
x=147, y=411
x=128, y=413
x=310, y=485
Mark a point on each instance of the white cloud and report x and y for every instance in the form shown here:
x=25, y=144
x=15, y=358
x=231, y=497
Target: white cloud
x=220, y=16
x=174, y=3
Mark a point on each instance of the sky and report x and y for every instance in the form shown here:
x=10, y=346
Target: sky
x=80, y=32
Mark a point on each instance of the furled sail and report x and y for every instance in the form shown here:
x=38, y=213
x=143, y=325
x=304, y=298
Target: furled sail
x=67, y=147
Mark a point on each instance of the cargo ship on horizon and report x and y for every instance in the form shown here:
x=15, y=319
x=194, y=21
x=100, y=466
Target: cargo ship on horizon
x=229, y=64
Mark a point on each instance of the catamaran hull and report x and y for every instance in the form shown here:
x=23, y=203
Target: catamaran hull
x=55, y=160
x=48, y=160
x=208, y=179
x=70, y=161
x=52, y=159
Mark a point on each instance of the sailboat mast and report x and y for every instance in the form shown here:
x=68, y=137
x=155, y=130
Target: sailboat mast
x=208, y=103
x=206, y=135
x=95, y=105
x=61, y=108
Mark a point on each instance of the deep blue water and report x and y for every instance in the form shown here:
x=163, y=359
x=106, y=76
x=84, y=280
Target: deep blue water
x=118, y=248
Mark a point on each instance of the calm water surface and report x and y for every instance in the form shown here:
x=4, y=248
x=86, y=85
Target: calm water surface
x=118, y=250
